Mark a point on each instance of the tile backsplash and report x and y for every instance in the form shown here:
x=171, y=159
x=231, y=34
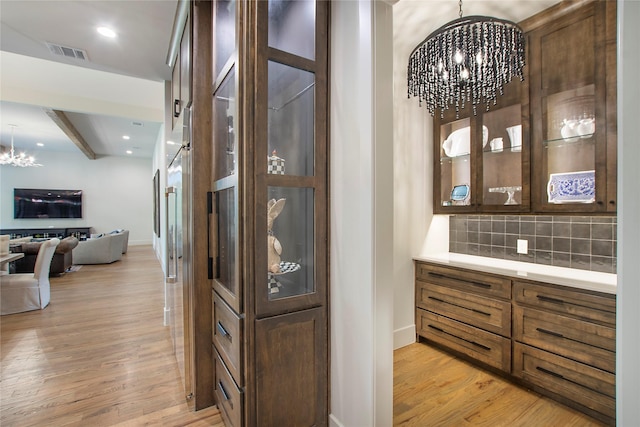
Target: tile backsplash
x=582, y=242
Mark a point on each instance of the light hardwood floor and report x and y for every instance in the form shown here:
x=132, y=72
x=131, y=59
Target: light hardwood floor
x=98, y=355
x=433, y=388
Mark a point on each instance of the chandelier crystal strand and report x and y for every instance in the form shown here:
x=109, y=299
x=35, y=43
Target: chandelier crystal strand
x=10, y=158
x=468, y=60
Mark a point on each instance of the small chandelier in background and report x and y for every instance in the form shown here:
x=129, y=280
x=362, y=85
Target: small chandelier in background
x=10, y=158
x=467, y=60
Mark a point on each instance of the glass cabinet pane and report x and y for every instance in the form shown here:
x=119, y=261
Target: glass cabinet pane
x=292, y=25
x=225, y=33
x=569, y=155
x=290, y=120
x=290, y=242
x=455, y=165
x=502, y=157
x=224, y=135
x=227, y=232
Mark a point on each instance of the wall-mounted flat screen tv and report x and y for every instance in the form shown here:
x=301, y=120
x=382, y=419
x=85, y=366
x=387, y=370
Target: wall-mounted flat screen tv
x=41, y=203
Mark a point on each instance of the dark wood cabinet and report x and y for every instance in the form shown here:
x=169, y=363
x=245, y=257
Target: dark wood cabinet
x=566, y=109
x=573, y=109
x=269, y=220
x=482, y=161
x=560, y=341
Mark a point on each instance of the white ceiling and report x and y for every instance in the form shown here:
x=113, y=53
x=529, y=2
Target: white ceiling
x=122, y=81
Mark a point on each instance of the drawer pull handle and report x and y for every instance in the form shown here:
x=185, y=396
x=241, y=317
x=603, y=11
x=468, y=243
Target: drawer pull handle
x=442, y=276
x=548, y=372
x=549, y=299
x=223, y=331
x=484, y=347
x=555, y=334
x=459, y=306
x=481, y=285
x=224, y=393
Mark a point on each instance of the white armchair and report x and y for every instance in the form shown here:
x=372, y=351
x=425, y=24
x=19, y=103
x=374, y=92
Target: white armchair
x=100, y=250
x=28, y=291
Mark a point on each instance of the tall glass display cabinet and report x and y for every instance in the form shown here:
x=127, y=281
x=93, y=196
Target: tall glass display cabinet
x=268, y=223
x=573, y=110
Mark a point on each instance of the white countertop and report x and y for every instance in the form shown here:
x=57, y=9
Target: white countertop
x=582, y=279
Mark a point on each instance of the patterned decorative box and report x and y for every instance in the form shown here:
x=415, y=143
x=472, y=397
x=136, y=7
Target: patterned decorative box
x=275, y=164
x=570, y=187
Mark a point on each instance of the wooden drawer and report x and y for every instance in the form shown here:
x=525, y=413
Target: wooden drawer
x=585, y=385
x=227, y=337
x=576, y=339
x=228, y=396
x=466, y=280
x=483, y=346
x=588, y=305
x=479, y=311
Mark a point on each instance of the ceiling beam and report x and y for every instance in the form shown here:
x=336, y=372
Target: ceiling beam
x=67, y=127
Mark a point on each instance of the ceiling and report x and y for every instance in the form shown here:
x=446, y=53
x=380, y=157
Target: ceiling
x=117, y=90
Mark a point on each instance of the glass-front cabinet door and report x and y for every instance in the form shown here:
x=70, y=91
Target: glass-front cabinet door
x=481, y=161
x=225, y=228
x=503, y=175
x=291, y=145
x=456, y=185
x=573, y=111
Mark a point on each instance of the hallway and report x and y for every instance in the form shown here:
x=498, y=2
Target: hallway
x=98, y=355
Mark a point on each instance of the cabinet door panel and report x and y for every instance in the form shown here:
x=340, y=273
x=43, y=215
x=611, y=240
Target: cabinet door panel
x=291, y=369
x=588, y=386
x=485, y=313
x=466, y=280
x=576, y=339
x=229, y=397
x=228, y=337
x=480, y=345
x=591, y=306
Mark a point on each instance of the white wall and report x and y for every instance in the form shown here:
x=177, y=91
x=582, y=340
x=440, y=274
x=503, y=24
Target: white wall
x=628, y=293
x=361, y=215
x=116, y=192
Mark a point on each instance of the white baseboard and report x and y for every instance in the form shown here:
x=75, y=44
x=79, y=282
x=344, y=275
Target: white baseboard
x=334, y=422
x=404, y=336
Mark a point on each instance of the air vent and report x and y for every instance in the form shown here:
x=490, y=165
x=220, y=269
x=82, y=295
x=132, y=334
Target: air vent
x=69, y=52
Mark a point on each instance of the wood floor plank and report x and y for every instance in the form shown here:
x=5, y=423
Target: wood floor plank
x=433, y=388
x=98, y=355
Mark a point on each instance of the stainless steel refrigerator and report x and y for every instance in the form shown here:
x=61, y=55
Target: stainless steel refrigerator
x=179, y=277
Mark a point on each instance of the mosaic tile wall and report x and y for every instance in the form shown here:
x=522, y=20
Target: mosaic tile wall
x=582, y=242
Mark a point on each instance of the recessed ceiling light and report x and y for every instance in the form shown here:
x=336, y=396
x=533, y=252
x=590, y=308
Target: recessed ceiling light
x=129, y=152
x=40, y=144
x=107, y=32
x=126, y=137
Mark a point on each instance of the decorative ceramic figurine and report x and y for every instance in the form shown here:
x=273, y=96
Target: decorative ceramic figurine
x=274, y=248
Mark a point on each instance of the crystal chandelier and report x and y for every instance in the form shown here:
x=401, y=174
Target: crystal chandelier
x=468, y=60
x=10, y=158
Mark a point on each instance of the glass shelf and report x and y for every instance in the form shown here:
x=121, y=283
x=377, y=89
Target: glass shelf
x=574, y=140
x=461, y=158
x=503, y=151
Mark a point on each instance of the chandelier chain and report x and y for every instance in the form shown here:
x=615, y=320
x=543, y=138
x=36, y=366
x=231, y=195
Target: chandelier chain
x=460, y=6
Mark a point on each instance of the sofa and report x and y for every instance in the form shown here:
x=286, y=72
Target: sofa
x=104, y=249
x=61, y=261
